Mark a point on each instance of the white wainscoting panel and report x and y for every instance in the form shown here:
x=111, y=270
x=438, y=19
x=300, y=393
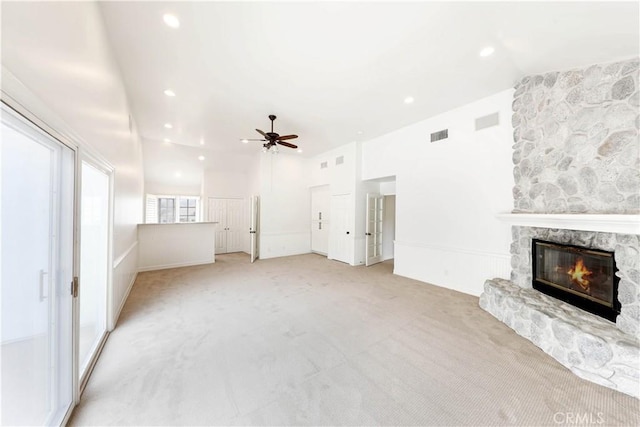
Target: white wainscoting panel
x=277, y=244
x=175, y=245
x=125, y=271
x=454, y=268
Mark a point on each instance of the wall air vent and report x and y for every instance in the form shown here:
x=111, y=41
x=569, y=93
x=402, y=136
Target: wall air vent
x=339, y=160
x=323, y=165
x=487, y=121
x=440, y=135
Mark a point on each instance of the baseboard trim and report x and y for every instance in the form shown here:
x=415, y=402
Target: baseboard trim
x=176, y=265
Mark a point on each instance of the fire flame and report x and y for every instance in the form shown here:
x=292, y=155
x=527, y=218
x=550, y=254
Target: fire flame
x=579, y=274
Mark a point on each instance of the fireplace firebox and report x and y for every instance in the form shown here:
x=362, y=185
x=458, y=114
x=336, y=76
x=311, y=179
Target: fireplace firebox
x=581, y=276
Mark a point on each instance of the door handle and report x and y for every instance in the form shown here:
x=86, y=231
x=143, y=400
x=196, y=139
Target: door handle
x=367, y=234
x=348, y=232
x=41, y=285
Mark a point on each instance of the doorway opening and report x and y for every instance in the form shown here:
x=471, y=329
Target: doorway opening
x=380, y=220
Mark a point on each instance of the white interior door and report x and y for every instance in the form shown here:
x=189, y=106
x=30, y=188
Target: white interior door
x=253, y=230
x=375, y=211
x=37, y=211
x=320, y=223
x=94, y=262
x=218, y=213
x=235, y=228
x=340, y=234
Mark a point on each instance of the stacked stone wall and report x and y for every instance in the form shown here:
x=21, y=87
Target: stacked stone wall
x=576, y=141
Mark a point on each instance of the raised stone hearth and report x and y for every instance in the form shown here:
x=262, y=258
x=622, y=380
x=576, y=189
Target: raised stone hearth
x=593, y=348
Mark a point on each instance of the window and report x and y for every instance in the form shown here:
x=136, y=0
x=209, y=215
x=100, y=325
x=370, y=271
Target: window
x=188, y=210
x=166, y=210
x=171, y=209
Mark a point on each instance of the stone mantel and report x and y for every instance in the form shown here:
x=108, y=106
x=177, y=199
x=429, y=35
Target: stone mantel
x=607, y=223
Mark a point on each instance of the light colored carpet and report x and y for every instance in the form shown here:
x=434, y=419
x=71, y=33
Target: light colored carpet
x=306, y=341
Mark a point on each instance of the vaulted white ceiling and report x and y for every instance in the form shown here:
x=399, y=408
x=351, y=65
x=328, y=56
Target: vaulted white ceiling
x=335, y=72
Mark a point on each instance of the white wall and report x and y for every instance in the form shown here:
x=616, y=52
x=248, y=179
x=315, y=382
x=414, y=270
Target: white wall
x=285, y=224
x=167, y=189
x=65, y=74
x=448, y=194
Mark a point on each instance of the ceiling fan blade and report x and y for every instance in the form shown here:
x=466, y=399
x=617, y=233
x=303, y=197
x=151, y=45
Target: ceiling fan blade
x=286, y=144
x=281, y=138
x=252, y=139
x=261, y=133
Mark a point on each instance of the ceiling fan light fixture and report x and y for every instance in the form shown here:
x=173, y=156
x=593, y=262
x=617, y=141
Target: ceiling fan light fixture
x=244, y=141
x=273, y=139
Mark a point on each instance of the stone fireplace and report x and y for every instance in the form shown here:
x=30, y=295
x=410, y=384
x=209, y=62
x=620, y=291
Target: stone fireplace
x=579, y=275
x=577, y=183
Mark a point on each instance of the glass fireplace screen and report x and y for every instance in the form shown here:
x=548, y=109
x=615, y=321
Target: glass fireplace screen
x=582, y=272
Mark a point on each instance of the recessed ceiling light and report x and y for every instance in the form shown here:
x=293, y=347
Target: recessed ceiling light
x=178, y=174
x=244, y=141
x=408, y=100
x=201, y=141
x=167, y=140
x=359, y=132
x=299, y=150
x=487, y=51
x=171, y=20
x=200, y=157
x=169, y=92
x=168, y=125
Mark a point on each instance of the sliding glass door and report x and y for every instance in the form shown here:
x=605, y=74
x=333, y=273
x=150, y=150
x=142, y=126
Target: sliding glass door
x=37, y=205
x=94, y=257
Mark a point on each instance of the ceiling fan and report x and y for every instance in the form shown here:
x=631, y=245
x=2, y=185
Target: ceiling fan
x=272, y=138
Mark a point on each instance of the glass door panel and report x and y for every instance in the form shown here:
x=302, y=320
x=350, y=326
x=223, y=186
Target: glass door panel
x=94, y=234
x=37, y=183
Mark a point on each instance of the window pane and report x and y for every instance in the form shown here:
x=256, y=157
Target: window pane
x=166, y=211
